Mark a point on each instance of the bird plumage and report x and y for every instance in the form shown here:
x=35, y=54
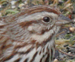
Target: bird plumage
x=26, y=37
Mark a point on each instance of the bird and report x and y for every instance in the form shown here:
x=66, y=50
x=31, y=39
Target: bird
x=28, y=36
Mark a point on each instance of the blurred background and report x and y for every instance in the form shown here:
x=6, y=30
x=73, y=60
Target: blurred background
x=65, y=39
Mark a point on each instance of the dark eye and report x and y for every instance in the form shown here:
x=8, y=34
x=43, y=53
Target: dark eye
x=46, y=19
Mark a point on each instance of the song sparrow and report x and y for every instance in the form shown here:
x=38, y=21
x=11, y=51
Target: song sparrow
x=29, y=35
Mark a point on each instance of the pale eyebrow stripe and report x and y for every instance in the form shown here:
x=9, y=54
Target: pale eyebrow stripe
x=36, y=16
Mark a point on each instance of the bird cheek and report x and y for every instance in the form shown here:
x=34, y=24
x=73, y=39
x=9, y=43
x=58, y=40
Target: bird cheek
x=35, y=30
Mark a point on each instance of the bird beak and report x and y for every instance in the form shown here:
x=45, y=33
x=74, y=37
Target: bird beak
x=63, y=20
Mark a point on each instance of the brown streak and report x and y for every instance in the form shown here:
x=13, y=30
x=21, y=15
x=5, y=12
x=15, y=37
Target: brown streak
x=42, y=8
x=47, y=59
x=44, y=42
x=26, y=60
x=17, y=60
x=34, y=56
x=22, y=44
x=31, y=10
x=9, y=57
x=51, y=53
x=26, y=51
x=1, y=27
x=36, y=9
x=42, y=58
x=27, y=23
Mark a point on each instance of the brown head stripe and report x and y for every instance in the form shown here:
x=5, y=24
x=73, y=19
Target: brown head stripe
x=36, y=9
x=39, y=8
x=31, y=10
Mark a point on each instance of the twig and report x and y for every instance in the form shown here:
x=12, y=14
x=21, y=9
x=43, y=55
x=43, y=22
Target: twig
x=60, y=33
x=65, y=52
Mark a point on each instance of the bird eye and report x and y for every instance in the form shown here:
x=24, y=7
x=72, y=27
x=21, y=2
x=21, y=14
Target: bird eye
x=46, y=19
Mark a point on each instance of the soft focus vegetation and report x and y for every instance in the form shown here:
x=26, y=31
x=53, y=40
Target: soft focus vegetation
x=65, y=39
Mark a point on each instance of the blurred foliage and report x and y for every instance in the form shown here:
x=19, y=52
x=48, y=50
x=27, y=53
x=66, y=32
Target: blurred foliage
x=9, y=7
